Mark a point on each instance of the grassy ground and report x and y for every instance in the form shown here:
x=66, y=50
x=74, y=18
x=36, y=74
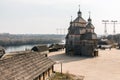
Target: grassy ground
x=65, y=76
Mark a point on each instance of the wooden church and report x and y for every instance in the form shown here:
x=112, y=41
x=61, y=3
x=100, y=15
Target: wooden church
x=81, y=39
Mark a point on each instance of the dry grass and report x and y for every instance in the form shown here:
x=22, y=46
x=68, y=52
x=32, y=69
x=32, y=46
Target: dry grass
x=65, y=76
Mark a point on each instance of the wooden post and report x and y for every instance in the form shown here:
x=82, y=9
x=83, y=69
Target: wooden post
x=61, y=67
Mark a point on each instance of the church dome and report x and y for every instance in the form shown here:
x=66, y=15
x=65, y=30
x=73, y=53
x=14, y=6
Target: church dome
x=79, y=21
x=90, y=25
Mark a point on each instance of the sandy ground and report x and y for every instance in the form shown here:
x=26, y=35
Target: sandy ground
x=104, y=67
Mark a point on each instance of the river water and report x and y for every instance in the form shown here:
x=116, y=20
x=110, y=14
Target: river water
x=21, y=48
x=18, y=48
x=24, y=47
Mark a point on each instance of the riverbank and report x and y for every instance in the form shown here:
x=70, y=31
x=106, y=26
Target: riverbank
x=29, y=39
x=104, y=67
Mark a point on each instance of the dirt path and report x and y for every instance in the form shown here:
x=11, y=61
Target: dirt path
x=104, y=67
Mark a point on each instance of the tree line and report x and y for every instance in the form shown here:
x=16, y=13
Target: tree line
x=28, y=39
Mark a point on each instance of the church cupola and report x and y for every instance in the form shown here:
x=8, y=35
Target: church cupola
x=89, y=19
x=89, y=26
x=71, y=20
x=79, y=12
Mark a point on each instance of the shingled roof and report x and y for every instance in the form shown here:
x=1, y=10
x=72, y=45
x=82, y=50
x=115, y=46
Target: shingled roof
x=24, y=67
x=40, y=48
x=80, y=20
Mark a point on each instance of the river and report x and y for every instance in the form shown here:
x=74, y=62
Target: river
x=23, y=47
x=20, y=48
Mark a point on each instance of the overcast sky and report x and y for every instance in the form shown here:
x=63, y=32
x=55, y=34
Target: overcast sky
x=45, y=16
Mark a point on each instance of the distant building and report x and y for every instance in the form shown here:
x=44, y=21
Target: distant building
x=105, y=43
x=26, y=66
x=56, y=47
x=2, y=51
x=43, y=49
x=40, y=48
x=81, y=38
